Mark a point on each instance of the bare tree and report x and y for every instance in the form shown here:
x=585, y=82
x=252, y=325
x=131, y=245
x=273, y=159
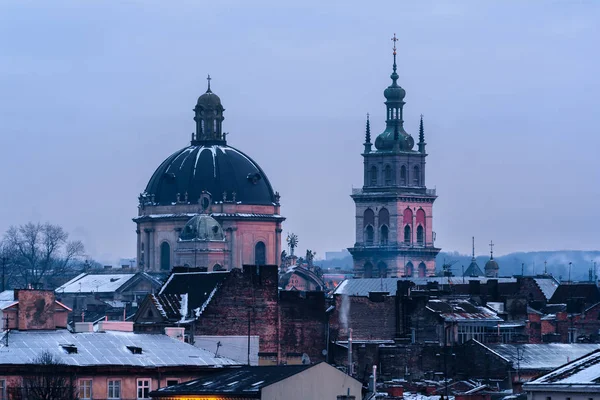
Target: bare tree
x=38, y=250
x=49, y=379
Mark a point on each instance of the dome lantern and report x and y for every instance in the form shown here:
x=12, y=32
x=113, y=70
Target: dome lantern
x=209, y=119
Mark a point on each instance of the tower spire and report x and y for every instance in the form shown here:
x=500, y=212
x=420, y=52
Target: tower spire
x=491, y=250
x=473, y=247
x=394, y=75
x=368, y=136
x=421, y=136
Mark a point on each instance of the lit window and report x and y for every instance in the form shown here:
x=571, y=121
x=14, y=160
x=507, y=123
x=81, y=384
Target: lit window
x=143, y=388
x=85, y=388
x=114, y=389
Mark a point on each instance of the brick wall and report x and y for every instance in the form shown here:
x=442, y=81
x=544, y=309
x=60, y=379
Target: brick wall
x=245, y=295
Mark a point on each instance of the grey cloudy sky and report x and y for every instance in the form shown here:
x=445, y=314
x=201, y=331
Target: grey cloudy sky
x=95, y=94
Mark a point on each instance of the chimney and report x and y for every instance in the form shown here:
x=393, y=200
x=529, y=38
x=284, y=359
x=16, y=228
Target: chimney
x=493, y=291
x=35, y=309
x=84, y=327
x=175, y=333
x=474, y=288
x=115, y=326
x=350, y=364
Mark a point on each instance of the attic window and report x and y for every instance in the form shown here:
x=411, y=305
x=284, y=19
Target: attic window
x=135, y=349
x=69, y=348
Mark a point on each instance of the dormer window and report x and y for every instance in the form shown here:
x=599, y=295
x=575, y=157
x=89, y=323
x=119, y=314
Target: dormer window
x=135, y=349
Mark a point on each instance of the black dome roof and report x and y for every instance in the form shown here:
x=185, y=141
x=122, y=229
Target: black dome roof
x=212, y=168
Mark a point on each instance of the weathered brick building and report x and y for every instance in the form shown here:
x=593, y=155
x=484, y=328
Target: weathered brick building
x=289, y=324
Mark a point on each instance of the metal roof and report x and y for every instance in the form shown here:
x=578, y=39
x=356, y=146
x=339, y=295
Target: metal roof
x=543, y=357
x=547, y=285
x=107, y=348
x=247, y=381
x=584, y=371
x=95, y=283
x=362, y=286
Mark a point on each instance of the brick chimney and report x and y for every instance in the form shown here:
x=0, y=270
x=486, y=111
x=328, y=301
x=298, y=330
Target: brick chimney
x=35, y=309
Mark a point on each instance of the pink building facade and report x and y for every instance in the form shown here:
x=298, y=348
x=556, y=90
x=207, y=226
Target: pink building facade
x=394, y=208
x=208, y=177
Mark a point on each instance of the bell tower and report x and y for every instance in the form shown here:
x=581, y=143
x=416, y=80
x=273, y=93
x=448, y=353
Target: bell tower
x=394, y=235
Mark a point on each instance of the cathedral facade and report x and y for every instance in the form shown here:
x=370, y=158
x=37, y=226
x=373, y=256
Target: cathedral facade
x=394, y=208
x=208, y=205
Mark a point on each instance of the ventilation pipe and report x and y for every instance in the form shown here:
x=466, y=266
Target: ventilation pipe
x=350, y=365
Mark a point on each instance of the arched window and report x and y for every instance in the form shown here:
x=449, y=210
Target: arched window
x=368, y=270
x=165, y=256
x=215, y=126
x=369, y=234
x=383, y=234
x=260, y=254
x=202, y=126
x=368, y=217
x=409, y=269
x=407, y=234
x=420, y=235
x=422, y=270
x=218, y=267
x=373, y=177
x=384, y=217
x=407, y=216
x=403, y=175
x=382, y=269
x=387, y=173
x=417, y=176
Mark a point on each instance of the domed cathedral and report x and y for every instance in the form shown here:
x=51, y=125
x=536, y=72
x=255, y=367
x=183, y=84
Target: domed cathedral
x=394, y=236
x=208, y=204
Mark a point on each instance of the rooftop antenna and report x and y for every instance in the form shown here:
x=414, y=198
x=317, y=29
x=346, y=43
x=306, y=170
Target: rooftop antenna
x=545, y=267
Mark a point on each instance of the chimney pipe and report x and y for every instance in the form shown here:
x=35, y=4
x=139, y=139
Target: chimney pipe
x=350, y=369
x=374, y=378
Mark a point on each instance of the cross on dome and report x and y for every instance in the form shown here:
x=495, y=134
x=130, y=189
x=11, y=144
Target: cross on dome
x=394, y=39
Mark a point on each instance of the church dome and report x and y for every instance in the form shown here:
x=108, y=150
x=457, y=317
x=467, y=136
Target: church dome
x=394, y=92
x=202, y=227
x=223, y=172
x=491, y=265
x=209, y=99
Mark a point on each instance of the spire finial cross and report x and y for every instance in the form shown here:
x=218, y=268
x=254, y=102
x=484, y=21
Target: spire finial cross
x=394, y=39
x=492, y=249
x=208, y=79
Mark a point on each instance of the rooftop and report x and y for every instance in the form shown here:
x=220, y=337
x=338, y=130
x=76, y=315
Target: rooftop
x=583, y=371
x=542, y=357
x=96, y=283
x=246, y=381
x=107, y=348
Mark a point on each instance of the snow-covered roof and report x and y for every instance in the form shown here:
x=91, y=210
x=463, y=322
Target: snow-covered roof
x=7, y=299
x=547, y=285
x=543, y=357
x=362, y=286
x=107, y=348
x=583, y=373
x=95, y=283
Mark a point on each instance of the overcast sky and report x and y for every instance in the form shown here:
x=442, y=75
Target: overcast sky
x=95, y=94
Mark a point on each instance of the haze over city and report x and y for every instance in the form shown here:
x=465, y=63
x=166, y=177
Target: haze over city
x=96, y=95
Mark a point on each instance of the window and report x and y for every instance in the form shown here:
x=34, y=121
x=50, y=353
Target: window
x=384, y=217
x=368, y=270
x=387, y=173
x=114, y=389
x=409, y=269
x=417, y=176
x=85, y=388
x=171, y=382
x=422, y=270
x=384, y=235
x=260, y=257
x=165, y=256
x=368, y=217
x=143, y=388
x=218, y=267
x=382, y=270
x=2, y=389
x=407, y=234
x=369, y=235
x=403, y=175
x=373, y=178
x=420, y=235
